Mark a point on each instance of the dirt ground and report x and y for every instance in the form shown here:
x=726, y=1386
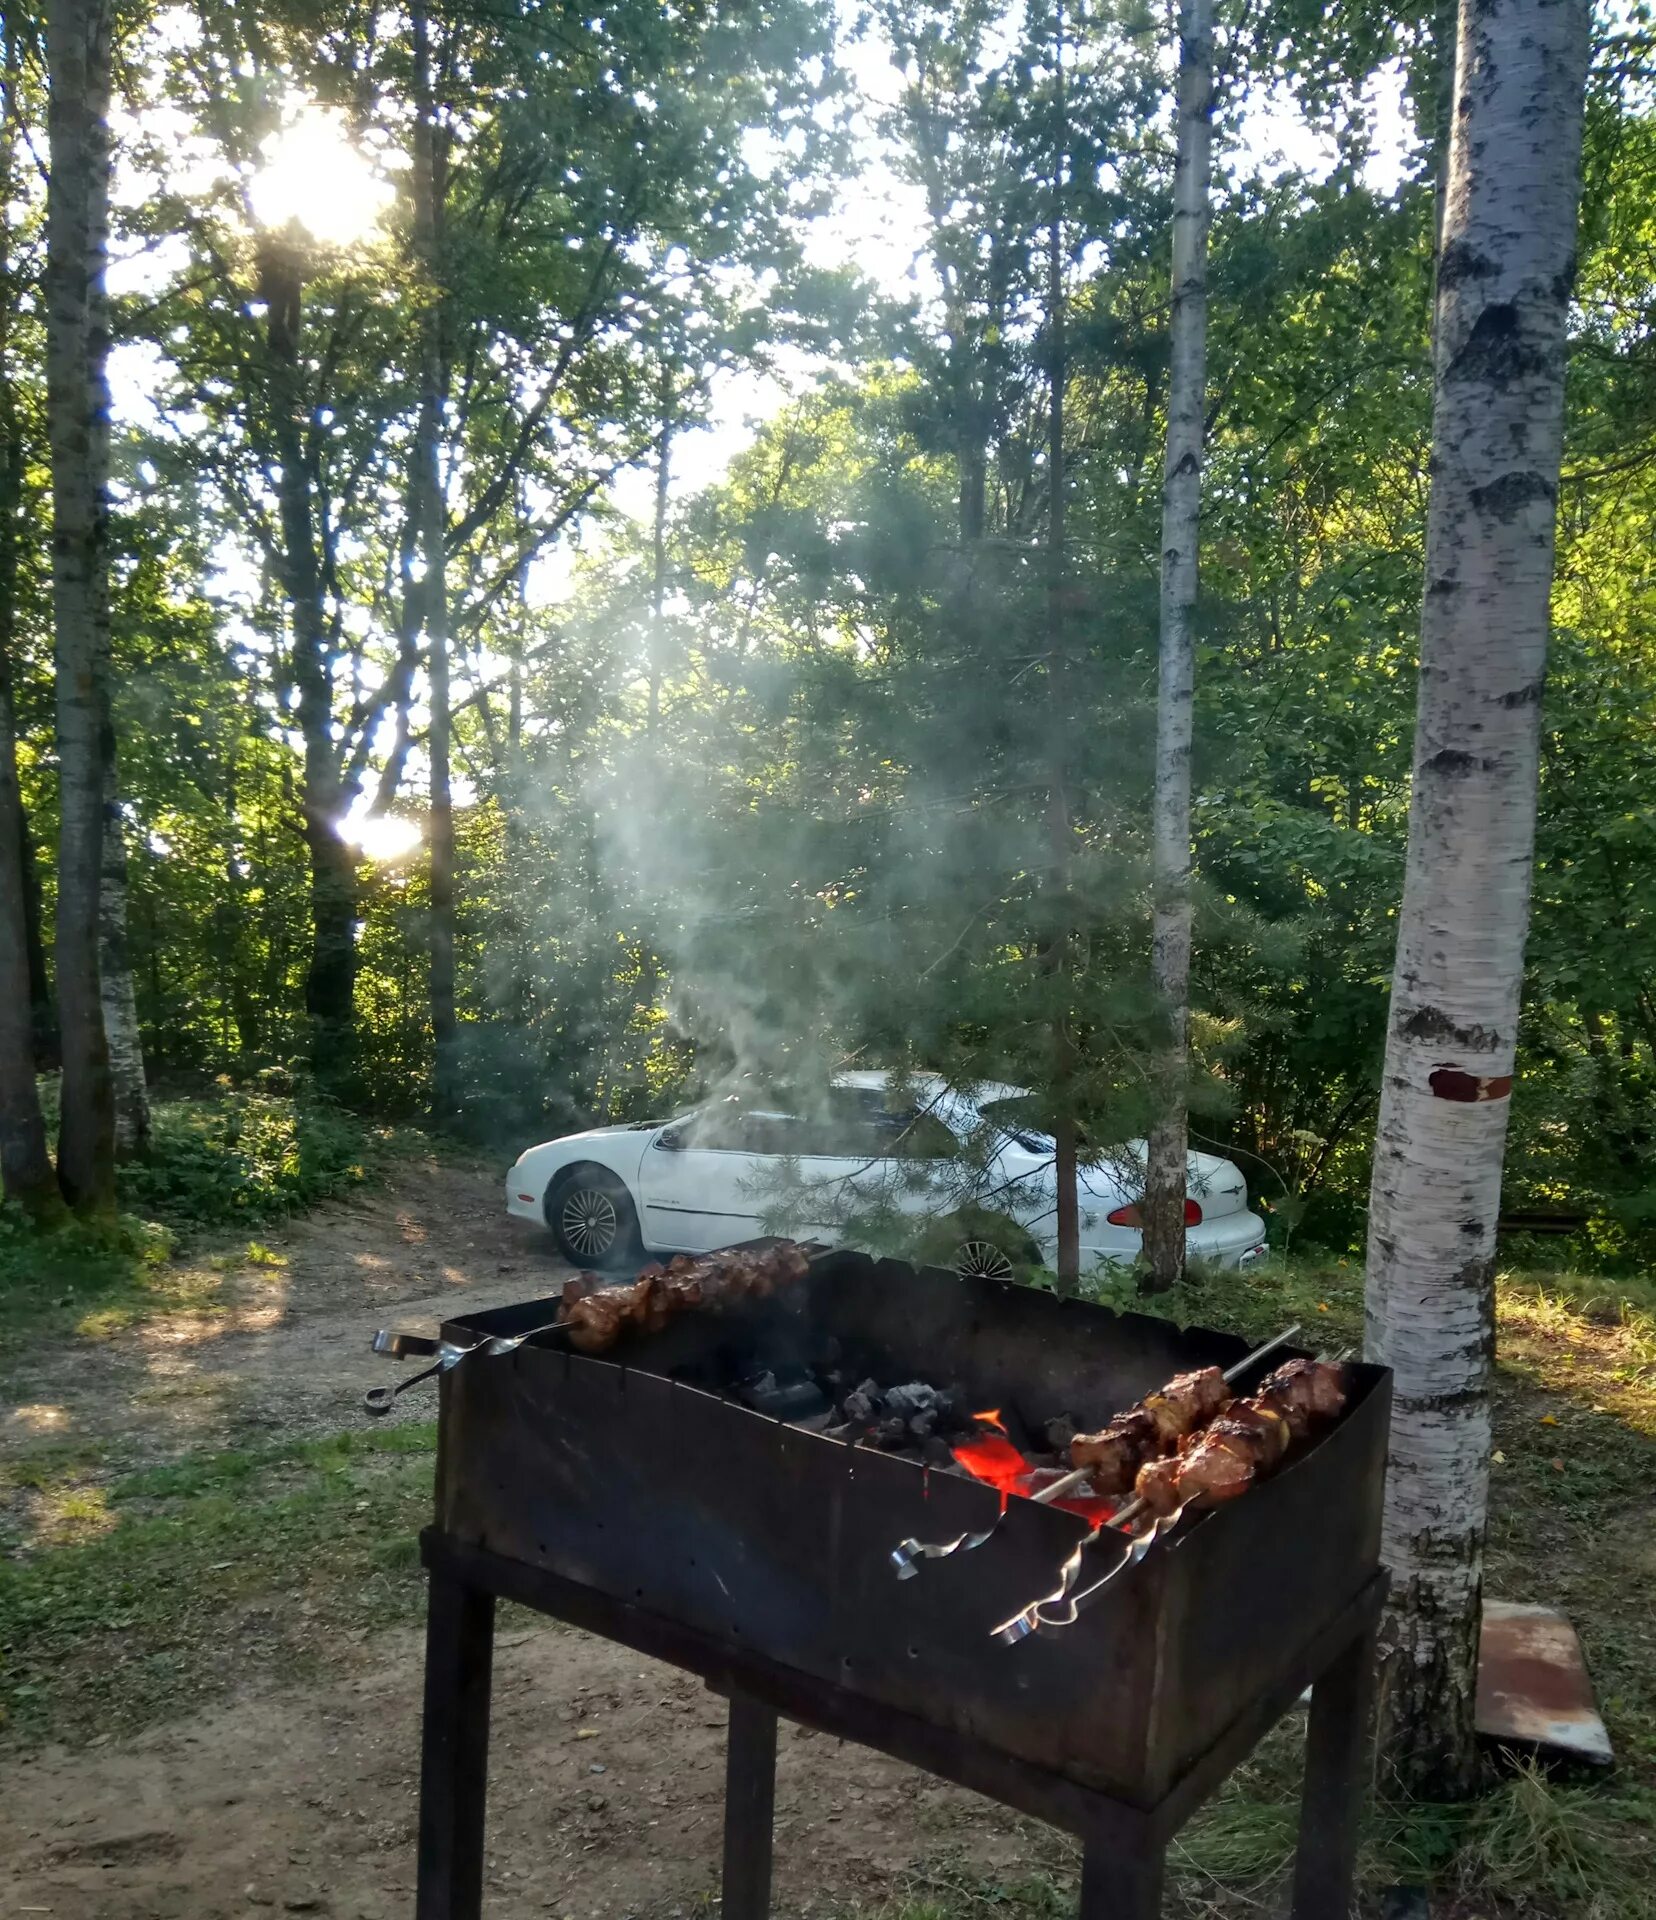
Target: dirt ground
x=607, y=1775
x=282, y=1349
x=606, y=1792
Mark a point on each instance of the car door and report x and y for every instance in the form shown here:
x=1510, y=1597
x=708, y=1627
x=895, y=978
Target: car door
x=697, y=1183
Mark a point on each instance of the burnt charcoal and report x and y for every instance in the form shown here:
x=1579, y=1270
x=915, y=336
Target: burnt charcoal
x=936, y=1453
x=859, y=1407
x=795, y=1399
x=1060, y=1432
x=907, y=1401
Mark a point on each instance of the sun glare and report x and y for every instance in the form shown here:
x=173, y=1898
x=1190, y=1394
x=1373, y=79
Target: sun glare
x=382, y=836
x=313, y=174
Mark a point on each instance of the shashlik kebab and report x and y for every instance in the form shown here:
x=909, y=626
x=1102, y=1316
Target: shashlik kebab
x=597, y=1316
x=1246, y=1441
x=1217, y=1463
x=1114, y=1455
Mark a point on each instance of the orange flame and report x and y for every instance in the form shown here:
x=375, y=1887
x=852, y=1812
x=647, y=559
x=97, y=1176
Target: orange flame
x=992, y=1458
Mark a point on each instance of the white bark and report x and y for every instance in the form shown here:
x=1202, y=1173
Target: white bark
x=1164, y=1194
x=1503, y=292
x=120, y=1002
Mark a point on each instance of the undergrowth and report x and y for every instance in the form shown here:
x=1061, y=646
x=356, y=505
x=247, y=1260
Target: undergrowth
x=233, y=1159
x=243, y=1158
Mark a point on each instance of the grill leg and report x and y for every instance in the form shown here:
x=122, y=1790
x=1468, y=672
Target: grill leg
x=1121, y=1883
x=454, y=1753
x=1336, y=1783
x=750, y=1802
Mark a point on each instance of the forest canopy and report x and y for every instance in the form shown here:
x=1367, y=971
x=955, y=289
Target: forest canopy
x=486, y=749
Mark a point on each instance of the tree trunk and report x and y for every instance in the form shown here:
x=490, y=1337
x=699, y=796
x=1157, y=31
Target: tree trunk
x=1502, y=304
x=1165, y=1169
x=77, y=405
x=431, y=522
x=330, y=972
x=1064, y=1133
x=25, y=1164
x=43, y=1023
x=120, y=1002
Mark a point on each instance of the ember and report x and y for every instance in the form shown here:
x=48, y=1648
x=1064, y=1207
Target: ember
x=992, y=1458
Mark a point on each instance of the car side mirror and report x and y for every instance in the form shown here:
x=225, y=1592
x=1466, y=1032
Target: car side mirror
x=671, y=1139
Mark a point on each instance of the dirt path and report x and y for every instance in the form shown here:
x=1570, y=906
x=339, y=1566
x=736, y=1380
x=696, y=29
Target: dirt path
x=606, y=1795
x=281, y=1348
x=607, y=1777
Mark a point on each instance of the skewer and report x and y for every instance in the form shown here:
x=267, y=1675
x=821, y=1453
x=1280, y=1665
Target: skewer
x=1034, y=1616
x=906, y=1557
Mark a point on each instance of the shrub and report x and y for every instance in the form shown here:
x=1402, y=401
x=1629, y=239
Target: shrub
x=243, y=1157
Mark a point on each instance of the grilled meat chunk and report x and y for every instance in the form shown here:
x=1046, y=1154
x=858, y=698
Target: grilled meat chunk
x=1153, y=1427
x=1247, y=1440
x=1307, y=1391
x=598, y=1316
x=595, y=1321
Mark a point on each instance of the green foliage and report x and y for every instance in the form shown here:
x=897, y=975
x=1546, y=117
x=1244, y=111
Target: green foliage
x=236, y=1158
x=243, y=1157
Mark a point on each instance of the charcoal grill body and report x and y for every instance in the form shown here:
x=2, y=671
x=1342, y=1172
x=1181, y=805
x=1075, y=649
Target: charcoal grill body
x=629, y=1495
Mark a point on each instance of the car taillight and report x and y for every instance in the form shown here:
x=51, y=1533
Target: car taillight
x=1131, y=1217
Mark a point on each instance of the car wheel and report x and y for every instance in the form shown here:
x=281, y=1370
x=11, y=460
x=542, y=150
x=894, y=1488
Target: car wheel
x=592, y=1218
x=982, y=1260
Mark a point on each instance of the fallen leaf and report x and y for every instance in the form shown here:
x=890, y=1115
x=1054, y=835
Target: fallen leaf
x=587, y=1733
x=1548, y=1420
x=1558, y=1466
x=1497, y=1459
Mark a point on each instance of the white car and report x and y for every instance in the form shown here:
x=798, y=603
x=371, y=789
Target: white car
x=738, y=1166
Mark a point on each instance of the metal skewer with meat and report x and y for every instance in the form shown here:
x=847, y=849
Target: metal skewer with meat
x=1247, y=1441
x=1111, y=1457
x=597, y=1316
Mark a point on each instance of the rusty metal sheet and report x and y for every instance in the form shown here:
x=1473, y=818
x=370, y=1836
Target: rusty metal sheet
x=1533, y=1686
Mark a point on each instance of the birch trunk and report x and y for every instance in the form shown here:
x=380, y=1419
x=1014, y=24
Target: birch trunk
x=1168, y=1157
x=77, y=406
x=1502, y=302
x=120, y=1002
x=431, y=523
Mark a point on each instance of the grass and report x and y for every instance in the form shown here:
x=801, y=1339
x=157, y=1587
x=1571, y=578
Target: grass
x=143, y=1598
x=138, y=1597
x=230, y=1161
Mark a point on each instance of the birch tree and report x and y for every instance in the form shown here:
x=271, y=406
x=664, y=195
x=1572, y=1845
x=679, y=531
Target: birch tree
x=77, y=404
x=115, y=984
x=1165, y=1172
x=1502, y=298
